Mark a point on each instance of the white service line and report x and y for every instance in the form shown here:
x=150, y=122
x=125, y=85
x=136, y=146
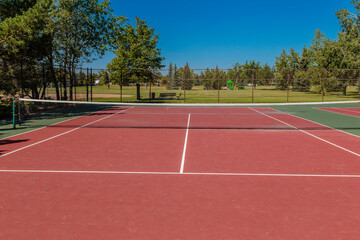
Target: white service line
x=187, y=173
x=319, y=138
x=185, y=145
x=61, y=134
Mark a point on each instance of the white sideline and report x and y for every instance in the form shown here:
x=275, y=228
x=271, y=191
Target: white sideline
x=185, y=145
x=312, y=135
x=321, y=123
x=186, y=173
x=72, y=130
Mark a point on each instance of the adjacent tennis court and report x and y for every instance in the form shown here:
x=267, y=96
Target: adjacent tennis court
x=347, y=111
x=253, y=172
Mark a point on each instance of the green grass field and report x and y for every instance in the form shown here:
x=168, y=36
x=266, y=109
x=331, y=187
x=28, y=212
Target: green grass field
x=262, y=94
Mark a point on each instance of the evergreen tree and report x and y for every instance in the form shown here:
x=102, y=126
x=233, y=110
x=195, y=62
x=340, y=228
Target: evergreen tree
x=207, y=78
x=302, y=77
x=186, y=80
x=250, y=70
x=137, y=53
x=170, y=77
x=286, y=65
x=176, y=83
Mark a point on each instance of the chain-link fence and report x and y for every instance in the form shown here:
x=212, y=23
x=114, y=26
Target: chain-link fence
x=187, y=85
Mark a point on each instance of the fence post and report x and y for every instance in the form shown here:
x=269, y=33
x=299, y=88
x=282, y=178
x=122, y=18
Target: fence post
x=252, y=84
x=120, y=85
x=87, y=84
x=150, y=93
x=43, y=94
x=288, y=86
x=218, y=83
x=359, y=85
x=75, y=83
x=65, y=84
x=184, y=89
x=21, y=78
x=322, y=85
x=19, y=113
x=60, y=82
x=91, y=85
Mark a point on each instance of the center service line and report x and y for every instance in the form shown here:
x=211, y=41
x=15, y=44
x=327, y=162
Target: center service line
x=185, y=145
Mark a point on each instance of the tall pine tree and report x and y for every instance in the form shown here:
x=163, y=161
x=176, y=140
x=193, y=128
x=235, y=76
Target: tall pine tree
x=170, y=76
x=186, y=80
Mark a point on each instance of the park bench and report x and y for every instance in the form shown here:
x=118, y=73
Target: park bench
x=169, y=96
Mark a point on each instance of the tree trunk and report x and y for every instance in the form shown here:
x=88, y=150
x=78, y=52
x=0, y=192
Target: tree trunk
x=138, y=97
x=44, y=82
x=64, y=84
x=344, y=90
x=53, y=77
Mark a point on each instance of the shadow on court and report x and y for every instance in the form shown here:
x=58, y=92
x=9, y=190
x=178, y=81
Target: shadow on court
x=7, y=142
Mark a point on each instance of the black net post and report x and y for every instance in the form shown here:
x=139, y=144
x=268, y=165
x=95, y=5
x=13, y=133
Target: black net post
x=252, y=85
x=87, y=84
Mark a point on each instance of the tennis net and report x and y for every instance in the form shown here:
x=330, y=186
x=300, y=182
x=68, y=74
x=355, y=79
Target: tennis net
x=33, y=114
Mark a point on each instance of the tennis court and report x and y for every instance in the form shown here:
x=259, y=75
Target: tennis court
x=125, y=172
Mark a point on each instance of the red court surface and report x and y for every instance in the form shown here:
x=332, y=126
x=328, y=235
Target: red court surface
x=181, y=173
x=347, y=111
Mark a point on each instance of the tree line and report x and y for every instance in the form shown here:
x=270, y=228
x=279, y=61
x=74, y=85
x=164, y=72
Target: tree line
x=44, y=42
x=331, y=65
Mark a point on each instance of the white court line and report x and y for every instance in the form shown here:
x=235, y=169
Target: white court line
x=185, y=145
x=182, y=174
x=61, y=134
x=321, y=123
x=317, y=122
x=312, y=135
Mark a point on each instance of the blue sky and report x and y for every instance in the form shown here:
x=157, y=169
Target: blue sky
x=221, y=33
